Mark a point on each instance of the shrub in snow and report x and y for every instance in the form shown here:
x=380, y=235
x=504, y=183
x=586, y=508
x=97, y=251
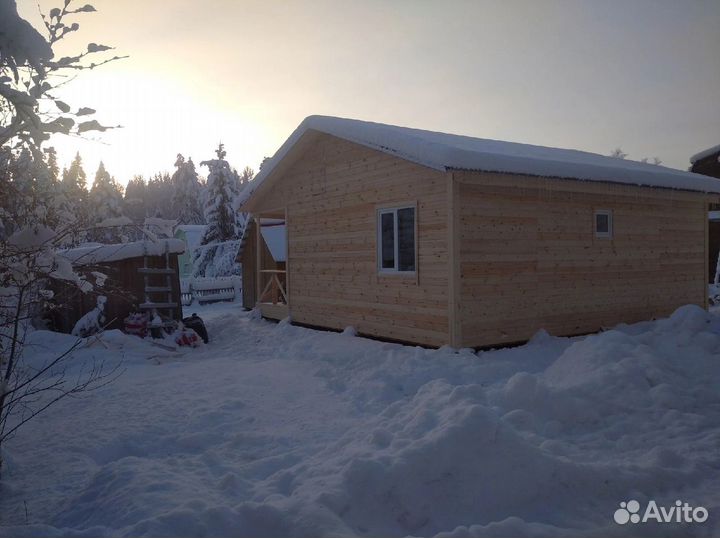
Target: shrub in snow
x=92, y=322
x=34, y=217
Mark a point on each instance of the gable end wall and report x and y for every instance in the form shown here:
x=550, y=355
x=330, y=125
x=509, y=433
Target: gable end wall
x=332, y=193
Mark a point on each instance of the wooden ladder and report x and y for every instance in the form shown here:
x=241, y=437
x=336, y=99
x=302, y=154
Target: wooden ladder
x=153, y=303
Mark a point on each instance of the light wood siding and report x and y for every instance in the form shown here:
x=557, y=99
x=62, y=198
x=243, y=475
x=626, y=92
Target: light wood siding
x=529, y=258
x=331, y=192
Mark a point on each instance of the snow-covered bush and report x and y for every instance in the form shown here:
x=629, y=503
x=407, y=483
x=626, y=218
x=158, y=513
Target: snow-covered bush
x=34, y=224
x=92, y=322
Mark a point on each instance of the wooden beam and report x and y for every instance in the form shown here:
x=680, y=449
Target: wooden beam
x=287, y=262
x=705, y=209
x=453, y=230
x=258, y=260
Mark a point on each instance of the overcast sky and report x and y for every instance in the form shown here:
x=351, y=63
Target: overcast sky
x=592, y=75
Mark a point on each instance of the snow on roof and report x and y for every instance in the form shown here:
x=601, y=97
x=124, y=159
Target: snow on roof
x=704, y=153
x=98, y=253
x=443, y=152
x=274, y=237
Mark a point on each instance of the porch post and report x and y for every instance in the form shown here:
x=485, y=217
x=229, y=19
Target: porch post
x=258, y=263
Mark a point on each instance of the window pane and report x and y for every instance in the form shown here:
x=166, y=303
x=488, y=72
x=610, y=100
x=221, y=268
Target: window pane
x=406, y=239
x=387, y=238
x=602, y=223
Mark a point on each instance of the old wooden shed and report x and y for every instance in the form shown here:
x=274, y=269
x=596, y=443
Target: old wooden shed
x=436, y=239
x=136, y=276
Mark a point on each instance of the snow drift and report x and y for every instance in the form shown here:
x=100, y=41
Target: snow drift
x=276, y=430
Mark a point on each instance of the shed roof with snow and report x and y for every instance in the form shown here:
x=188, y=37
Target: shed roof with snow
x=93, y=253
x=707, y=162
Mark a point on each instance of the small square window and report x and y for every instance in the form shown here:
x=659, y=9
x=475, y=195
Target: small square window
x=603, y=223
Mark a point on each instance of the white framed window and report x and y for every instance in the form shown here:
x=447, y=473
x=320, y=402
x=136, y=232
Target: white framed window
x=603, y=223
x=396, y=244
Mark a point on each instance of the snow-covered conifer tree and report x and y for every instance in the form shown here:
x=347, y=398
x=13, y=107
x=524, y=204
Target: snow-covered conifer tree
x=106, y=201
x=23, y=172
x=186, y=193
x=52, y=164
x=32, y=195
x=246, y=176
x=159, y=196
x=74, y=186
x=74, y=177
x=135, y=202
x=216, y=255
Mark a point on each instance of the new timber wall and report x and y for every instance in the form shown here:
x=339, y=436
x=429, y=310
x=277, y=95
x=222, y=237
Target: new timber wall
x=528, y=257
x=332, y=191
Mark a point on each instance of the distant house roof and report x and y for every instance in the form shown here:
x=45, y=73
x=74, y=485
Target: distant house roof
x=704, y=153
x=193, y=234
x=443, y=151
x=98, y=253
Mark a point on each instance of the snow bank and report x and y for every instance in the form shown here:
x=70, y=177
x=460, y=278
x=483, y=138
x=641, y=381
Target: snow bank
x=443, y=152
x=285, y=431
x=99, y=253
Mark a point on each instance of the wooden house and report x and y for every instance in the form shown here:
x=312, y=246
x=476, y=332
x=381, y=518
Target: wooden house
x=435, y=239
x=707, y=162
x=137, y=276
x=191, y=234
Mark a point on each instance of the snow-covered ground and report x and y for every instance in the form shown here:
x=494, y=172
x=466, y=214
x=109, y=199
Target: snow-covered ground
x=276, y=430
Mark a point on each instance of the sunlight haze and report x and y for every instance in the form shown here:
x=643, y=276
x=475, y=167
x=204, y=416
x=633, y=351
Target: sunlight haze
x=641, y=75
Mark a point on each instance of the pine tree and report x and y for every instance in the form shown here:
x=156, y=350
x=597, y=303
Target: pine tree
x=72, y=200
x=32, y=196
x=74, y=187
x=216, y=257
x=186, y=193
x=52, y=165
x=23, y=173
x=264, y=162
x=105, y=203
x=246, y=177
x=159, y=196
x=74, y=177
x=135, y=202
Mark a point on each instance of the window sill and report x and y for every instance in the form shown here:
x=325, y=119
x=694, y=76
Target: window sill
x=409, y=274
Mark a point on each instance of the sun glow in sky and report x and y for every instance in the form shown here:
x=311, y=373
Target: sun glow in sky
x=643, y=75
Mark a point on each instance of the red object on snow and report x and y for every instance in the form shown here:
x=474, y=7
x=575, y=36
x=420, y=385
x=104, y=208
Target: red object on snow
x=188, y=337
x=137, y=324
